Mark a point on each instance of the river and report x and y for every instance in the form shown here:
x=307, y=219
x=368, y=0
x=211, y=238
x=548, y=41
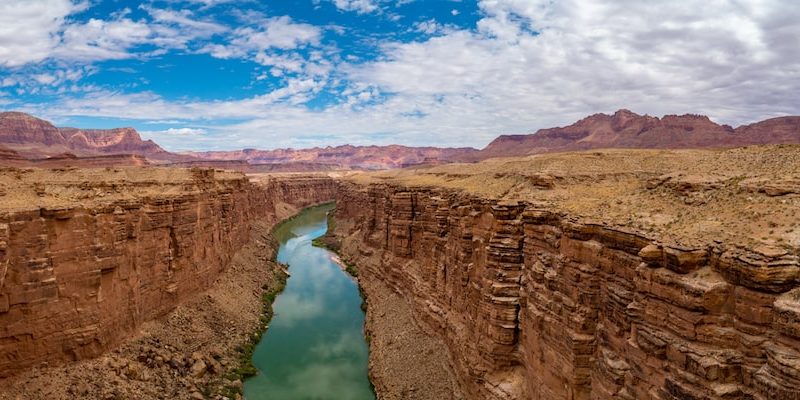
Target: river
x=315, y=346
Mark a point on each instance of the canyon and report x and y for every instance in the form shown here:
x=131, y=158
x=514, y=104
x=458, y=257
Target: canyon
x=609, y=274
x=596, y=274
x=90, y=255
x=633, y=274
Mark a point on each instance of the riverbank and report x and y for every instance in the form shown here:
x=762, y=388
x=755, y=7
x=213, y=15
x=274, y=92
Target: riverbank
x=191, y=353
x=314, y=348
x=396, y=341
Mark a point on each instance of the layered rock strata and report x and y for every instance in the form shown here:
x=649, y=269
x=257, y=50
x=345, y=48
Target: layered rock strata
x=536, y=304
x=86, y=256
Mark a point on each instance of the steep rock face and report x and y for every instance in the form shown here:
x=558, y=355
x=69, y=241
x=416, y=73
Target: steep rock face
x=37, y=138
x=626, y=129
x=21, y=128
x=774, y=130
x=118, y=140
x=10, y=157
x=534, y=304
x=78, y=277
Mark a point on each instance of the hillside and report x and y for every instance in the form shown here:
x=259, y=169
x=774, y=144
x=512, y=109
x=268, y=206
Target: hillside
x=33, y=138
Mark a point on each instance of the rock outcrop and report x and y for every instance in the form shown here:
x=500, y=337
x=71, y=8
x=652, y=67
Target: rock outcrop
x=110, y=141
x=86, y=256
x=36, y=138
x=537, y=302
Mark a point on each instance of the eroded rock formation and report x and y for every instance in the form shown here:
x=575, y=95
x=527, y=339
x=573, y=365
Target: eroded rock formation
x=86, y=256
x=536, y=302
x=37, y=138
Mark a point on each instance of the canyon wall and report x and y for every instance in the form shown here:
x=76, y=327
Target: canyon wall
x=77, y=277
x=535, y=304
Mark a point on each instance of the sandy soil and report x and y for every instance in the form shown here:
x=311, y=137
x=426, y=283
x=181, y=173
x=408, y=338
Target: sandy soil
x=191, y=353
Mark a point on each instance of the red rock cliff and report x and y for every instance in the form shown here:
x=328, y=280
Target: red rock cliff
x=534, y=304
x=78, y=276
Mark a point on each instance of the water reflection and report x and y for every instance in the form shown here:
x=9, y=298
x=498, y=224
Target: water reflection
x=314, y=348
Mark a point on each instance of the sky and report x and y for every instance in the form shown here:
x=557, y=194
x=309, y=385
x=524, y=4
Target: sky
x=231, y=74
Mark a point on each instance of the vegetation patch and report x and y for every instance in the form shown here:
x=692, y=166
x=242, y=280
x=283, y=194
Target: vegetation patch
x=244, y=356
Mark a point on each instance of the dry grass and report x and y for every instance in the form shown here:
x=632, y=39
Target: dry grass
x=31, y=188
x=684, y=196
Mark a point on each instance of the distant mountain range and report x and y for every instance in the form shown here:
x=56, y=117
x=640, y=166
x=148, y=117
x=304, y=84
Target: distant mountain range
x=626, y=129
x=27, y=140
x=361, y=157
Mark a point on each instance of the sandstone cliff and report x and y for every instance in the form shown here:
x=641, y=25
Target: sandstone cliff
x=36, y=138
x=86, y=255
x=619, y=274
x=110, y=141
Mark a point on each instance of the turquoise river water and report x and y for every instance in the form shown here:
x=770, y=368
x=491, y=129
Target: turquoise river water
x=314, y=347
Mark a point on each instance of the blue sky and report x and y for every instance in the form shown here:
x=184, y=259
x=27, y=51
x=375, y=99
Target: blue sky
x=227, y=74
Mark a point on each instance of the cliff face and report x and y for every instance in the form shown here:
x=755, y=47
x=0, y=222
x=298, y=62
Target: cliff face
x=109, y=141
x=536, y=304
x=37, y=138
x=85, y=257
x=21, y=128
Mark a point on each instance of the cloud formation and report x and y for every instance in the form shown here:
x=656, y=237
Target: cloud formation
x=359, y=6
x=523, y=65
x=29, y=30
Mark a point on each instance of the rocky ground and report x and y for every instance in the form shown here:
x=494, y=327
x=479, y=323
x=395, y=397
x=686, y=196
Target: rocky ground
x=599, y=274
x=743, y=195
x=405, y=362
x=194, y=352
x=33, y=188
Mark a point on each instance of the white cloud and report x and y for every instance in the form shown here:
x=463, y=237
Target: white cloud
x=272, y=42
x=48, y=80
x=429, y=27
x=35, y=31
x=190, y=28
x=101, y=40
x=29, y=30
x=211, y=3
x=178, y=132
x=270, y=33
x=527, y=64
x=731, y=61
x=359, y=6
x=176, y=138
